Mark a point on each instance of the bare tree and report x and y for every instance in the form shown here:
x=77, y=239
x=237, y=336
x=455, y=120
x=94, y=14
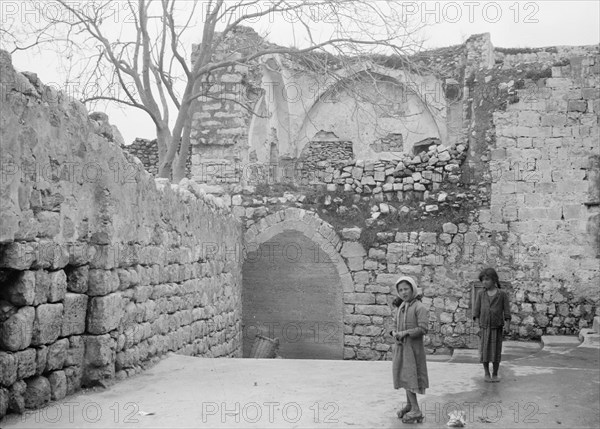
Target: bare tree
x=134, y=52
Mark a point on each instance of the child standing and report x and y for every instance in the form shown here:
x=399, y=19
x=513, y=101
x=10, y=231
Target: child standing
x=492, y=311
x=409, y=364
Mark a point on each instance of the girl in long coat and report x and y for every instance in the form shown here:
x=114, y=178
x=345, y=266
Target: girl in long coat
x=492, y=312
x=409, y=364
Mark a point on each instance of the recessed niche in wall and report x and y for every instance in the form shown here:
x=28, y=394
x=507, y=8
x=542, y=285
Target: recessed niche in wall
x=423, y=145
x=452, y=90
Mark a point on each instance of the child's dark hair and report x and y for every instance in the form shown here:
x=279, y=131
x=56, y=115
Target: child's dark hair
x=490, y=273
x=397, y=302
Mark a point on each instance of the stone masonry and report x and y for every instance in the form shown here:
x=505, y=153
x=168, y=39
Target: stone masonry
x=520, y=191
x=103, y=269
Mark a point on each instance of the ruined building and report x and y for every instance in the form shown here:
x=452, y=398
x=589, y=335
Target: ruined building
x=309, y=193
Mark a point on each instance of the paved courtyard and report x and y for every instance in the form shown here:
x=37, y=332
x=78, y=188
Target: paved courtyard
x=555, y=386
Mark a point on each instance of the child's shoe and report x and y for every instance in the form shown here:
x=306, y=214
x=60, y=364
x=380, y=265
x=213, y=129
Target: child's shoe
x=413, y=417
x=403, y=411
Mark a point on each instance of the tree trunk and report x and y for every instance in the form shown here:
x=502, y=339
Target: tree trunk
x=180, y=168
x=166, y=166
x=163, y=137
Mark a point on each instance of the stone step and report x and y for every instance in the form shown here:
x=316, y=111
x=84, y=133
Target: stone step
x=565, y=341
x=465, y=356
x=438, y=358
x=589, y=339
x=510, y=350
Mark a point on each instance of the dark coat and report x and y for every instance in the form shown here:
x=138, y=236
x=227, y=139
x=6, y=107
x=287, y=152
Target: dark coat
x=409, y=363
x=491, y=311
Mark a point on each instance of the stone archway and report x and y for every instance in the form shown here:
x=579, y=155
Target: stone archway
x=293, y=285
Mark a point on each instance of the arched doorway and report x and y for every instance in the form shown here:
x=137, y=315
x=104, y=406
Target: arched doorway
x=292, y=290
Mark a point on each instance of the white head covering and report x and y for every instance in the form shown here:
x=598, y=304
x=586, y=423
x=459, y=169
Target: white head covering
x=415, y=289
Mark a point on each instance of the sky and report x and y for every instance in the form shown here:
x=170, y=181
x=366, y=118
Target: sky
x=511, y=24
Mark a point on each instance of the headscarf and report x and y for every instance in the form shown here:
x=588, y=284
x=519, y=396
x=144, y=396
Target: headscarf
x=413, y=284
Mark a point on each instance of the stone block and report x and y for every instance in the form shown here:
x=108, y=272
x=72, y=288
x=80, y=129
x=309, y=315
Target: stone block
x=377, y=254
x=366, y=330
x=48, y=323
x=577, y=106
x=446, y=317
x=58, y=385
x=450, y=228
x=26, y=360
x=373, y=310
x=100, y=350
x=590, y=93
x=77, y=280
x=102, y=282
x=352, y=249
x=359, y=298
x=16, y=401
x=388, y=280
x=351, y=340
x=38, y=392
x=74, y=376
x=16, y=331
x=349, y=353
x=444, y=156
x=361, y=278
x=367, y=354
x=4, y=400
x=554, y=119
x=400, y=252
x=42, y=287
x=20, y=289
x=105, y=313
x=49, y=224
x=57, y=354
x=9, y=365
x=529, y=118
x=58, y=286
x=355, y=319
x=355, y=263
x=75, y=309
x=18, y=256
x=351, y=234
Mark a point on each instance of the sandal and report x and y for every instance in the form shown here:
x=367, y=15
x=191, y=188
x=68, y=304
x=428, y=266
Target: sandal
x=403, y=411
x=413, y=417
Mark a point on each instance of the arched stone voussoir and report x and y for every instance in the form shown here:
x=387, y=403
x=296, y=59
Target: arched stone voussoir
x=306, y=222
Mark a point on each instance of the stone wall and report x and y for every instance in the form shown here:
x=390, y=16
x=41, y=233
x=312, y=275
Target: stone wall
x=545, y=190
x=329, y=150
x=146, y=151
x=525, y=200
x=103, y=269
